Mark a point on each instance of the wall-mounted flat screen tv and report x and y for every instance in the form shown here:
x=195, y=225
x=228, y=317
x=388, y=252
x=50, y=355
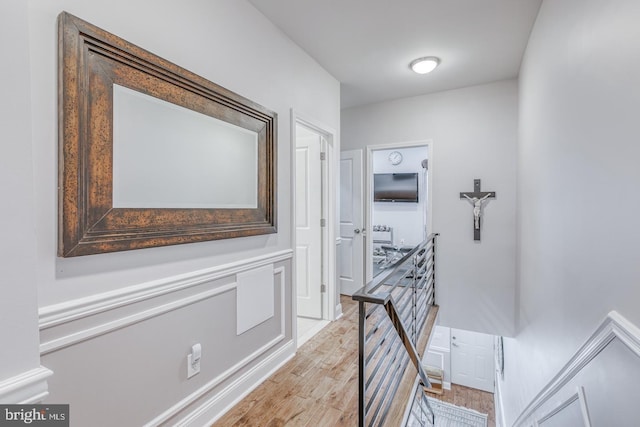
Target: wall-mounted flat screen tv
x=395, y=187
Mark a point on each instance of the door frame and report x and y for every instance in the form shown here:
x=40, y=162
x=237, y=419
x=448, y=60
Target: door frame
x=331, y=309
x=368, y=197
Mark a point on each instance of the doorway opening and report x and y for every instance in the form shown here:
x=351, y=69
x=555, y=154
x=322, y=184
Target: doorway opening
x=398, y=202
x=314, y=255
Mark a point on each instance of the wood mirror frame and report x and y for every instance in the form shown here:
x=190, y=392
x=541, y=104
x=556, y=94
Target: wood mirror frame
x=90, y=62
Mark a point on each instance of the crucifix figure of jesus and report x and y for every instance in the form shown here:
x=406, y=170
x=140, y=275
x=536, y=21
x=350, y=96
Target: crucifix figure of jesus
x=477, y=209
x=477, y=198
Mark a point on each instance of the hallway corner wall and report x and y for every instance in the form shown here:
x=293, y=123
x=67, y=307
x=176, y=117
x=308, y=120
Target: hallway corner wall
x=578, y=181
x=19, y=355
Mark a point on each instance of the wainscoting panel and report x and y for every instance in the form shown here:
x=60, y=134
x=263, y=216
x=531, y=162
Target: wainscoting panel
x=254, y=303
x=133, y=351
x=571, y=412
x=80, y=308
x=76, y=320
x=599, y=385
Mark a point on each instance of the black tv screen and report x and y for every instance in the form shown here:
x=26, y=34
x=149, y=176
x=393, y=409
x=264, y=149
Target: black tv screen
x=395, y=187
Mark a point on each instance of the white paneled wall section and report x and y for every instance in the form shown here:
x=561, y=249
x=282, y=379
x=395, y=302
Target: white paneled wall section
x=116, y=328
x=237, y=312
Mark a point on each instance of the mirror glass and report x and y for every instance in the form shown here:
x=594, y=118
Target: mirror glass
x=167, y=156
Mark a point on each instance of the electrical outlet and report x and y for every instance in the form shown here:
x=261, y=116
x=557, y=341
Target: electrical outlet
x=192, y=367
x=193, y=360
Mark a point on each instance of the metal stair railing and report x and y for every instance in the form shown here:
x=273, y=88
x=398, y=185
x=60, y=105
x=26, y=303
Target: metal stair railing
x=393, y=311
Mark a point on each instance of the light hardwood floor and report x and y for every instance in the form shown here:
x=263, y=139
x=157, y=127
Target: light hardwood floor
x=319, y=386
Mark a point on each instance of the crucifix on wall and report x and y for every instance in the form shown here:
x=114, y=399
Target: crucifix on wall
x=477, y=198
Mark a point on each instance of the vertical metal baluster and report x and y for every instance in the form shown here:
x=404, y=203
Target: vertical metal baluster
x=361, y=364
x=433, y=263
x=414, y=282
x=433, y=260
x=433, y=284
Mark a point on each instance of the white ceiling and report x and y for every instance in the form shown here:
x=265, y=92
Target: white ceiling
x=367, y=44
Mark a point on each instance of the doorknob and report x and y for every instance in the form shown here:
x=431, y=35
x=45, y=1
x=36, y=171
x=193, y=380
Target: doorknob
x=356, y=231
x=454, y=344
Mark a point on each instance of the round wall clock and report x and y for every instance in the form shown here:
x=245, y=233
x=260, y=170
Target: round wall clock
x=395, y=157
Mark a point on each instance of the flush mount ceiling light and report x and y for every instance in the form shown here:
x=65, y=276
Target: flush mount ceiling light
x=424, y=65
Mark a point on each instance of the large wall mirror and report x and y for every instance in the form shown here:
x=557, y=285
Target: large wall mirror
x=152, y=154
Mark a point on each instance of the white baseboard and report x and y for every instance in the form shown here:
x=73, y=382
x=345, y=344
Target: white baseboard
x=312, y=332
x=338, y=312
x=220, y=403
x=26, y=388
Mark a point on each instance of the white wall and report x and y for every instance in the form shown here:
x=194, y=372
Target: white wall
x=578, y=185
x=406, y=219
x=220, y=40
x=87, y=308
x=18, y=303
x=474, y=134
x=604, y=374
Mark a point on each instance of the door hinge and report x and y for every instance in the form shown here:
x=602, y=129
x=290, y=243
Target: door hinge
x=323, y=222
x=323, y=288
x=323, y=155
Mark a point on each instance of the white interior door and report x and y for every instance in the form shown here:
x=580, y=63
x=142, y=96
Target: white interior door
x=351, y=222
x=472, y=359
x=308, y=228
